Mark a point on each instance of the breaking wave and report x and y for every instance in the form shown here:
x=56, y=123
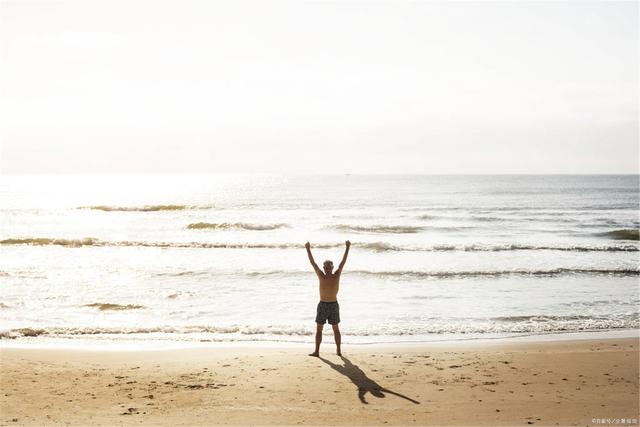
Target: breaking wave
x=411, y=274
x=386, y=247
x=236, y=225
x=401, y=229
x=479, y=218
x=147, y=208
x=499, y=325
x=534, y=247
x=113, y=307
x=624, y=234
x=497, y=273
x=196, y=329
x=541, y=318
x=371, y=246
x=393, y=229
x=444, y=274
x=44, y=241
x=97, y=242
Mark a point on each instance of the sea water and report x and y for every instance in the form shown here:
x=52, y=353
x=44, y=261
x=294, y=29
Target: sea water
x=221, y=258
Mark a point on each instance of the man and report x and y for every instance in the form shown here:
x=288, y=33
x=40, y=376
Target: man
x=328, y=308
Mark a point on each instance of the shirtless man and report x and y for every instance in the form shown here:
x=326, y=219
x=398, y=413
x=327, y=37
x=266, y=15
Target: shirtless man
x=328, y=308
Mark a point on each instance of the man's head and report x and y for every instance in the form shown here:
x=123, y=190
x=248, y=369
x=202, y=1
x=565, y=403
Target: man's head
x=328, y=266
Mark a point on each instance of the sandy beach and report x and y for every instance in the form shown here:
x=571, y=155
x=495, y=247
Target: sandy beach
x=501, y=383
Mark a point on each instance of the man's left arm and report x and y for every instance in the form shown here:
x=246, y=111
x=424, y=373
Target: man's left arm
x=344, y=257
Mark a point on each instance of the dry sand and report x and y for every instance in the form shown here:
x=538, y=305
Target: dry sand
x=543, y=383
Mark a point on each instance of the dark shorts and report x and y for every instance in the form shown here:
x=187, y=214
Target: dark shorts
x=328, y=311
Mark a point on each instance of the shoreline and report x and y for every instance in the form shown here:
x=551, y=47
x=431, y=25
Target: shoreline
x=515, y=383
x=111, y=345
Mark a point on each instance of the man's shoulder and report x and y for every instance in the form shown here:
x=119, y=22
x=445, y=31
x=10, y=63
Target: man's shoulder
x=332, y=278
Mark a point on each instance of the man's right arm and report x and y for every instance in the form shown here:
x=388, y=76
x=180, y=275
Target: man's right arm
x=311, y=260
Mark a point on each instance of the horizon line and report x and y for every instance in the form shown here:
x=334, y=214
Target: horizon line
x=327, y=174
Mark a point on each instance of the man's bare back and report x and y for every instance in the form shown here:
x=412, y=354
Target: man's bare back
x=328, y=308
x=329, y=286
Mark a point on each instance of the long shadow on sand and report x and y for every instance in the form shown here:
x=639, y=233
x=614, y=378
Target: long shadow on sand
x=362, y=381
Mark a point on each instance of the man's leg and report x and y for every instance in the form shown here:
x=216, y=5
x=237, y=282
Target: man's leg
x=319, y=327
x=338, y=338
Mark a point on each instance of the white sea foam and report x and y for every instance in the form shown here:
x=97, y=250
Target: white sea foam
x=500, y=325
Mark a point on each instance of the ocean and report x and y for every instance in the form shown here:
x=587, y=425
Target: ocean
x=220, y=258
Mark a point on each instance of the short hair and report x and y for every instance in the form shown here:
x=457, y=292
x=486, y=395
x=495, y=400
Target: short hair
x=328, y=264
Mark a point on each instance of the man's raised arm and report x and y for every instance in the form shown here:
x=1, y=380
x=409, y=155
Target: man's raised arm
x=344, y=257
x=311, y=260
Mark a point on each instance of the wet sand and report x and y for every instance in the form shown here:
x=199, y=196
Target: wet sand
x=539, y=383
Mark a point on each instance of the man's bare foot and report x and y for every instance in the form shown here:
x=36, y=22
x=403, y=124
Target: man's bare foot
x=339, y=353
x=314, y=354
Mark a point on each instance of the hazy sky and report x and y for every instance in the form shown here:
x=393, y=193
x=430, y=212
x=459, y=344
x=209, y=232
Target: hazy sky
x=385, y=87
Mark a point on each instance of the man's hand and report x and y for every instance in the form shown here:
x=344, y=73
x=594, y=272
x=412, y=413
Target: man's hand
x=307, y=245
x=347, y=243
